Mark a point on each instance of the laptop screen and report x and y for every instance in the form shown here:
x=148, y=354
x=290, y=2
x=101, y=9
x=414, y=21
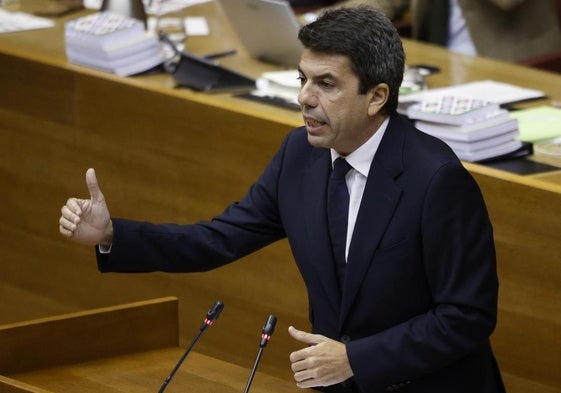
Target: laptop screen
x=268, y=29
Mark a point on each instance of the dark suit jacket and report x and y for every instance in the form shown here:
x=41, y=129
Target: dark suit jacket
x=420, y=296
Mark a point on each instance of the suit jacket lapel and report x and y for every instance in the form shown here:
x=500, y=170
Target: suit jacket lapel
x=380, y=198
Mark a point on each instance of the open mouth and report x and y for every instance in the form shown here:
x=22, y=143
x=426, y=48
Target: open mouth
x=312, y=123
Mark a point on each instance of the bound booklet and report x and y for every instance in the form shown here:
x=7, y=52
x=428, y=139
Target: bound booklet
x=498, y=124
x=453, y=110
x=506, y=150
x=112, y=42
x=475, y=129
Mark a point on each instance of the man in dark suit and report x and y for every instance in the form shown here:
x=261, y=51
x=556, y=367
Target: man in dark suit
x=405, y=296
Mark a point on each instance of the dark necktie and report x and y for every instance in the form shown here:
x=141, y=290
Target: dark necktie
x=338, y=213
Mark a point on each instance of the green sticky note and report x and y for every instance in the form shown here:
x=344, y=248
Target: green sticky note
x=539, y=123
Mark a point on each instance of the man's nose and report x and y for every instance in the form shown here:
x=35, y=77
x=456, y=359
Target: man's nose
x=307, y=97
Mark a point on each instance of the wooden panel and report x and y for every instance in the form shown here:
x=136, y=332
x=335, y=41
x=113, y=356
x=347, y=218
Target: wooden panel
x=88, y=335
x=9, y=385
x=126, y=348
x=525, y=217
x=516, y=384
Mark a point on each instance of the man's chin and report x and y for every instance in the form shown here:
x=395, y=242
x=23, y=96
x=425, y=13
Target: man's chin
x=318, y=141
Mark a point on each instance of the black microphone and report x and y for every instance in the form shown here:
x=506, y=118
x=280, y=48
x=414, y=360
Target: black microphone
x=211, y=316
x=268, y=330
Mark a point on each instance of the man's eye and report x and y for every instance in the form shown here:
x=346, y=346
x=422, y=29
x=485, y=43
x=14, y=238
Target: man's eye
x=302, y=80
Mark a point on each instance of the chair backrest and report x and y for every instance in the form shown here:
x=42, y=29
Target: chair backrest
x=550, y=61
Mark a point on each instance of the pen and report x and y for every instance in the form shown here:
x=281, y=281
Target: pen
x=220, y=54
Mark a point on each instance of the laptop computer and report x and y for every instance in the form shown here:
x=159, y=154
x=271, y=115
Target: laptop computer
x=268, y=29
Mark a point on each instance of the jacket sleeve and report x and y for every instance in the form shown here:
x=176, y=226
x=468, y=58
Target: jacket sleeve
x=242, y=228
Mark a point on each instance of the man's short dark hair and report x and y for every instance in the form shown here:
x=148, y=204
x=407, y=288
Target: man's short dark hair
x=368, y=38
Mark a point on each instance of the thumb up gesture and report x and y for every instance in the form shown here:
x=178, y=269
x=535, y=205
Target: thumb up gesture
x=87, y=221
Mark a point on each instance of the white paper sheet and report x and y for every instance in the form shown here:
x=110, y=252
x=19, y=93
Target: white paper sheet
x=19, y=21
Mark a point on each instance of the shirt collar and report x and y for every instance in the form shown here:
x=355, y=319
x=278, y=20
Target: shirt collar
x=361, y=158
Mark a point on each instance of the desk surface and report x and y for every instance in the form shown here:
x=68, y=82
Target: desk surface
x=135, y=353
x=145, y=372
x=47, y=46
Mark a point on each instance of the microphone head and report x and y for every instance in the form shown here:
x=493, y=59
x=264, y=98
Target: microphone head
x=268, y=330
x=215, y=311
x=212, y=314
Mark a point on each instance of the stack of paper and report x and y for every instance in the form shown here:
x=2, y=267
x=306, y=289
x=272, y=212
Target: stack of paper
x=280, y=85
x=153, y=6
x=497, y=92
x=112, y=42
x=476, y=130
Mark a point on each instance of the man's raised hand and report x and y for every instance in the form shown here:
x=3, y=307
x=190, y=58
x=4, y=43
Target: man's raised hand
x=87, y=221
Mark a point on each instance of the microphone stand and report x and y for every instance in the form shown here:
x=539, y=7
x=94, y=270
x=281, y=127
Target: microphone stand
x=170, y=376
x=268, y=330
x=211, y=316
x=247, y=386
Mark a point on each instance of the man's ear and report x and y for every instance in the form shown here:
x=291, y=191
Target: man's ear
x=379, y=96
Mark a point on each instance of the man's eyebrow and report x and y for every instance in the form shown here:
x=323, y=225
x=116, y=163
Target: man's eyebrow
x=326, y=75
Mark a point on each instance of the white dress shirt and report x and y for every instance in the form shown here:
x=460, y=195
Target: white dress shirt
x=360, y=160
x=459, y=38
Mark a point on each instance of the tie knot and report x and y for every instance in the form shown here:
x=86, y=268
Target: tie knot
x=340, y=168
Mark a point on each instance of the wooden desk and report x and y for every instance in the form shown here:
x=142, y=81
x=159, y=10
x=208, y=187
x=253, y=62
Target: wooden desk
x=128, y=348
x=165, y=154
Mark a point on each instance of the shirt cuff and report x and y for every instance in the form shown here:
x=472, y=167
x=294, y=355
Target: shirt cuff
x=104, y=249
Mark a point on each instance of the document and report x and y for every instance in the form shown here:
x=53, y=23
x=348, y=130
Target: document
x=19, y=21
x=493, y=91
x=153, y=7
